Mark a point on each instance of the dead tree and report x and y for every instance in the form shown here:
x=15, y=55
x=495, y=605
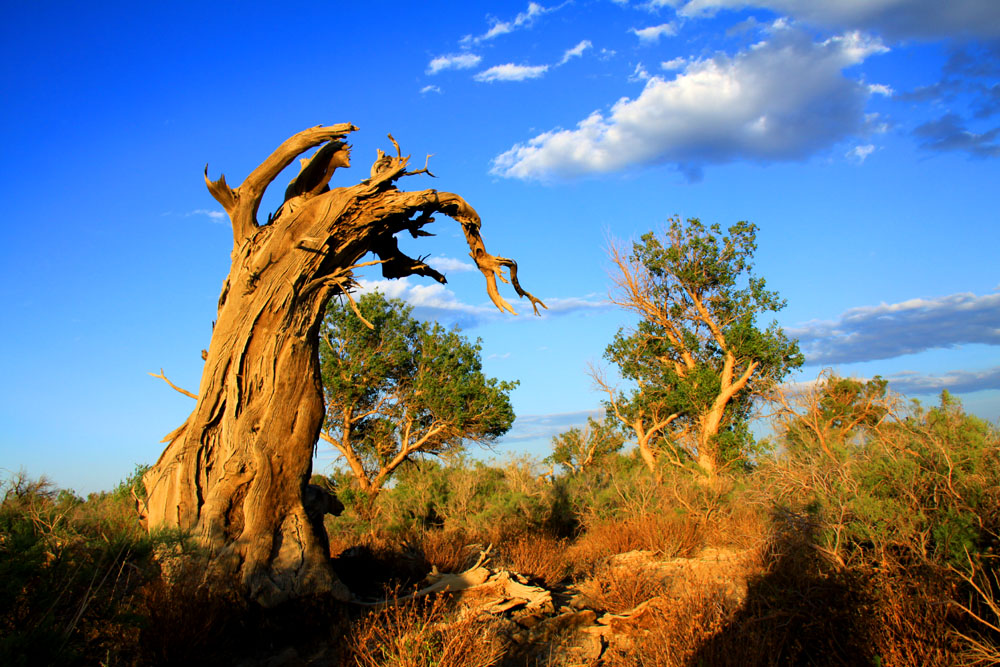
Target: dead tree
x=235, y=473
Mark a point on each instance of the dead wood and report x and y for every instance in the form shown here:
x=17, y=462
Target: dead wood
x=235, y=473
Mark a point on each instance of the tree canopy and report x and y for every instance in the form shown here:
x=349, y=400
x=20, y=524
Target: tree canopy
x=578, y=448
x=403, y=388
x=698, y=358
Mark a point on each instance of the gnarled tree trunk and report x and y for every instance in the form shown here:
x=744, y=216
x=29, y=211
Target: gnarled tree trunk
x=235, y=474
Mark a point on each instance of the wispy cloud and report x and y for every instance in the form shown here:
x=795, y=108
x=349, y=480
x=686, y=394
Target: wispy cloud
x=639, y=74
x=429, y=89
x=524, y=19
x=910, y=382
x=576, y=51
x=453, y=61
x=886, y=331
x=860, y=153
x=434, y=301
x=674, y=64
x=949, y=133
x=761, y=105
x=535, y=427
x=557, y=306
x=511, y=72
x=652, y=34
x=450, y=264
x=214, y=216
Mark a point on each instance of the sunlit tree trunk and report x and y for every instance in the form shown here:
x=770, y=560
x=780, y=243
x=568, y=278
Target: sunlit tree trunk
x=235, y=474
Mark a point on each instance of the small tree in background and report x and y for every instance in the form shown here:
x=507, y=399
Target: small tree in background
x=698, y=358
x=832, y=413
x=578, y=448
x=402, y=388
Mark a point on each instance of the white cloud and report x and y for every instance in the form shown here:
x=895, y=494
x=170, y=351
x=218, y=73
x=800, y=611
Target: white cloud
x=896, y=19
x=880, y=89
x=434, y=301
x=429, y=89
x=523, y=20
x=533, y=427
x=511, y=72
x=674, y=63
x=453, y=61
x=445, y=264
x=639, y=74
x=430, y=295
x=892, y=330
x=860, y=153
x=576, y=51
x=779, y=100
x=214, y=216
x=652, y=34
x=558, y=306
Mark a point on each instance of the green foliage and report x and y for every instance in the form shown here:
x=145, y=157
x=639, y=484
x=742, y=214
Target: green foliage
x=458, y=496
x=403, y=388
x=699, y=334
x=579, y=448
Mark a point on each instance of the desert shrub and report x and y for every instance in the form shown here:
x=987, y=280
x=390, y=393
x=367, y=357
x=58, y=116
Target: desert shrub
x=902, y=512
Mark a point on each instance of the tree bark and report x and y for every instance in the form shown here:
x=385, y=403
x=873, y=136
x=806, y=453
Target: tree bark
x=235, y=473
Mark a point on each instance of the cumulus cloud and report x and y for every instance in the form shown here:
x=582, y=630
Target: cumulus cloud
x=910, y=382
x=673, y=64
x=511, y=72
x=453, y=61
x=949, y=133
x=781, y=99
x=652, y=34
x=576, y=51
x=886, y=331
x=523, y=20
x=895, y=19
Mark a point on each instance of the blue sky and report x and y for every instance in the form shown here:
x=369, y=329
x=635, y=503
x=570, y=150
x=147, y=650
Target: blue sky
x=862, y=137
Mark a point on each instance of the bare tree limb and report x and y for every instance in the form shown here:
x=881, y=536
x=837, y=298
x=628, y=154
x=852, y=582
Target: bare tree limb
x=173, y=386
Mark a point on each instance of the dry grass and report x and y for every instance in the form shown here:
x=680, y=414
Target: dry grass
x=672, y=634
x=668, y=535
x=448, y=550
x=620, y=589
x=535, y=555
x=424, y=632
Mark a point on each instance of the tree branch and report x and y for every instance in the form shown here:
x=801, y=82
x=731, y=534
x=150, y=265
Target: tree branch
x=173, y=386
x=242, y=203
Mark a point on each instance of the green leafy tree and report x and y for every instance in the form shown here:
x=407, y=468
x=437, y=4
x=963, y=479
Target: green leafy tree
x=401, y=388
x=578, y=448
x=698, y=358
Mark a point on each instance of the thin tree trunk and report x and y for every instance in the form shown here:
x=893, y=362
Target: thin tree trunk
x=235, y=473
